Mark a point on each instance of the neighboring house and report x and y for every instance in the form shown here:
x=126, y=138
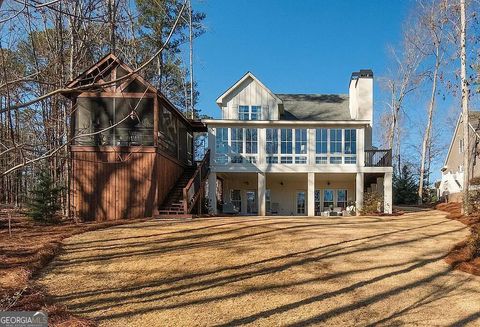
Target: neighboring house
x=132, y=150
x=451, y=186
x=295, y=154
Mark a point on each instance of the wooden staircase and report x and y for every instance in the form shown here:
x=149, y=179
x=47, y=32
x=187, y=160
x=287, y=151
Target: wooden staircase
x=174, y=202
x=189, y=188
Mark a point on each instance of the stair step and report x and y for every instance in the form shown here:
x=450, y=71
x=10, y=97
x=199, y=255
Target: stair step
x=174, y=203
x=182, y=216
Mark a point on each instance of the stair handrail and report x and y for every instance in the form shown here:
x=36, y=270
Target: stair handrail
x=201, y=172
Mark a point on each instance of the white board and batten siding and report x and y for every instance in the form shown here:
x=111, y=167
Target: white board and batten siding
x=250, y=93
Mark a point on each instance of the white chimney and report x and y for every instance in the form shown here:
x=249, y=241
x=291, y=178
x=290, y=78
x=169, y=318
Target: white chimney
x=361, y=95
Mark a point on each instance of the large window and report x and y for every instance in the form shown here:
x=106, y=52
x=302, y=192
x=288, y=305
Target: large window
x=292, y=147
x=236, y=145
x=286, y=145
x=335, y=146
x=268, y=201
x=301, y=146
x=350, y=146
x=327, y=199
x=249, y=112
x=336, y=141
x=251, y=140
x=221, y=142
x=236, y=199
x=342, y=199
x=272, y=145
x=321, y=141
x=301, y=201
x=94, y=114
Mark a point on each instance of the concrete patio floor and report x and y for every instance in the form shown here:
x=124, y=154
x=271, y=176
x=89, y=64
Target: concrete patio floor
x=290, y=271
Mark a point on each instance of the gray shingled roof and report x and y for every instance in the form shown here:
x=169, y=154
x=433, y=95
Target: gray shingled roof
x=315, y=107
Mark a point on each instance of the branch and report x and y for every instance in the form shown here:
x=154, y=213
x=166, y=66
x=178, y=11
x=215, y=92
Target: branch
x=50, y=153
x=94, y=85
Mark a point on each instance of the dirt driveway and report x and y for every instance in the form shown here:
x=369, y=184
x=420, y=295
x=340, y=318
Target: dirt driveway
x=269, y=271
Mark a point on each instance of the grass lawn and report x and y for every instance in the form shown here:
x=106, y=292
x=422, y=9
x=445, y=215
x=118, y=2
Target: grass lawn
x=25, y=252
x=268, y=271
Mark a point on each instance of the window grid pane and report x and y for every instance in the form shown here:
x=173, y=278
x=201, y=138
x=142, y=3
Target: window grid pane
x=272, y=140
x=335, y=141
x=322, y=160
x=300, y=141
x=255, y=112
x=243, y=113
x=286, y=141
x=350, y=141
x=251, y=140
x=335, y=160
x=327, y=198
x=321, y=141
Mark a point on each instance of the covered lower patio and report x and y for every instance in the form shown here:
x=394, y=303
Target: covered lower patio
x=294, y=194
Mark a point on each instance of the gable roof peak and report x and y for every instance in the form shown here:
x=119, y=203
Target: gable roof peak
x=248, y=74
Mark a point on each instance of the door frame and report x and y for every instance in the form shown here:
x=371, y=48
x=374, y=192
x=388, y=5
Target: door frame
x=295, y=208
x=255, y=201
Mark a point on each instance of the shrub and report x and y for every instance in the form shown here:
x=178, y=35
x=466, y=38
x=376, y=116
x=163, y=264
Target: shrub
x=43, y=203
x=372, y=203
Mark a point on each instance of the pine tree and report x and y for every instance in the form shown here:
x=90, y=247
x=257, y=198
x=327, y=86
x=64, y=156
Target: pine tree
x=44, y=199
x=404, y=187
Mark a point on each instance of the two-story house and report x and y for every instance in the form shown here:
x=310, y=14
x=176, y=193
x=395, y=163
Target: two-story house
x=451, y=185
x=295, y=154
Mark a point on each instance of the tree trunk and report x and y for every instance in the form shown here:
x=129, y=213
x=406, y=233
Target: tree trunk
x=465, y=95
x=426, y=136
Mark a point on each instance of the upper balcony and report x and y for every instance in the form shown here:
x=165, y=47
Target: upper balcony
x=378, y=158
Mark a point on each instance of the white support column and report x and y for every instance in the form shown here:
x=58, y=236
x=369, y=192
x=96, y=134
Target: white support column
x=262, y=141
x=311, y=195
x=359, y=192
x=360, y=147
x=261, y=194
x=311, y=146
x=212, y=192
x=211, y=145
x=387, y=193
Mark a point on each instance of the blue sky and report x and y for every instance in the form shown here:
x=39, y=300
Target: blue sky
x=293, y=46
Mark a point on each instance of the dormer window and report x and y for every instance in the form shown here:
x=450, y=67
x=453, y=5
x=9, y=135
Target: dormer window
x=249, y=112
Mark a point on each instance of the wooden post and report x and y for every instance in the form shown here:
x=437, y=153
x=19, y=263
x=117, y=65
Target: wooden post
x=155, y=120
x=185, y=200
x=200, y=190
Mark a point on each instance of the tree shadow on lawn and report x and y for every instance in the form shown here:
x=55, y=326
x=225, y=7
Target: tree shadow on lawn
x=155, y=250
x=152, y=292
x=234, y=221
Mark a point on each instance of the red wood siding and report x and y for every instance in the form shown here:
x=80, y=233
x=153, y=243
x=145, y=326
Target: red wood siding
x=169, y=171
x=120, y=183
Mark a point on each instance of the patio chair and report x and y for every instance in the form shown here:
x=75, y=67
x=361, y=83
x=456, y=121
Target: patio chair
x=274, y=208
x=229, y=209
